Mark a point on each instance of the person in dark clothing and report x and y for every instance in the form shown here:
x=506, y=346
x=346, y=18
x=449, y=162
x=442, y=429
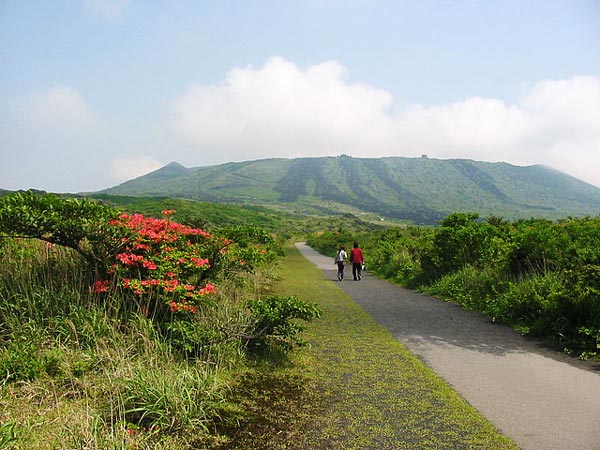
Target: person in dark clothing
x=340, y=260
x=357, y=259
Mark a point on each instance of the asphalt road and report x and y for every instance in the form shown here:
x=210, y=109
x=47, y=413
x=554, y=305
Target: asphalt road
x=542, y=399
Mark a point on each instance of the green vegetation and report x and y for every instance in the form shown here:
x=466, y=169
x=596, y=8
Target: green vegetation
x=539, y=276
x=417, y=190
x=141, y=347
x=141, y=327
x=210, y=215
x=202, y=214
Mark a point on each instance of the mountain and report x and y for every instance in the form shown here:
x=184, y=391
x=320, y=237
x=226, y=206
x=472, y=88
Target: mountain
x=422, y=190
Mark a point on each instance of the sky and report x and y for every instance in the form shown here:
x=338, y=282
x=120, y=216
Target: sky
x=96, y=92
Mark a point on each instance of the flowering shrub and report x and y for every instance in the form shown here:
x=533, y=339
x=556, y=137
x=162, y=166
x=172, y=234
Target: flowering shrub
x=161, y=263
x=166, y=270
x=166, y=266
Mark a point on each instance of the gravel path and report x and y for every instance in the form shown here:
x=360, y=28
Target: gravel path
x=542, y=399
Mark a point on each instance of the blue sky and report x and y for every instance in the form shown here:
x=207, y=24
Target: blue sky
x=95, y=92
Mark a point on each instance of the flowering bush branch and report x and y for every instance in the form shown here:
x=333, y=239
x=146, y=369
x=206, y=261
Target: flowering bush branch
x=169, y=270
x=161, y=265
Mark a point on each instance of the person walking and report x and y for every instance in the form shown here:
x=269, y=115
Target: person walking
x=357, y=259
x=340, y=260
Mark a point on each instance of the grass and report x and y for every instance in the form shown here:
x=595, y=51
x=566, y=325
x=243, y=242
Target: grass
x=79, y=373
x=361, y=389
x=353, y=387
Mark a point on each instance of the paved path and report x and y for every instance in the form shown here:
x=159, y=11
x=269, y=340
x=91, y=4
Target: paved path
x=540, y=398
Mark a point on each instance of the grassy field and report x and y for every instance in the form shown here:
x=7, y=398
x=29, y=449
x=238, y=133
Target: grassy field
x=358, y=388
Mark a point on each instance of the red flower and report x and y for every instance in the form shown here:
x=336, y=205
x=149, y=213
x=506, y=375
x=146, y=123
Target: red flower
x=170, y=254
x=199, y=262
x=100, y=286
x=149, y=265
x=208, y=289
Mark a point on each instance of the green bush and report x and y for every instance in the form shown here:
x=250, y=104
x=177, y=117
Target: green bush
x=136, y=323
x=477, y=289
x=25, y=358
x=542, y=277
x=77, y=223
x=276, y=321
x=463, y=240
x=397, y=253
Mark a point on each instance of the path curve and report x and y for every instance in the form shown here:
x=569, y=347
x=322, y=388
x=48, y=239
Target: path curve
x=540, y=398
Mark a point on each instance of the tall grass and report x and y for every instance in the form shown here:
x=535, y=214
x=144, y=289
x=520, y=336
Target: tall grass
x=78, y=371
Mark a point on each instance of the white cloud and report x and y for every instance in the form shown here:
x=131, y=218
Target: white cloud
x=556, y=123
x=51, y=140
x=282, y=110
x=54, y=140
x=482, y=126
x=59, y=111
x=123, y=169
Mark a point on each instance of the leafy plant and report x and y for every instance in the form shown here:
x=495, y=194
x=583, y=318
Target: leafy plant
x=129, y=325
x=162, y=265
x=463, y=240
x=275, y=322
x=7, y=435
x=80, y=224
x=25, y=359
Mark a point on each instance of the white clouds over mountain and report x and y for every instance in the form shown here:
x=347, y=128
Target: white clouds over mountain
x=280, y=110
x=283, y=110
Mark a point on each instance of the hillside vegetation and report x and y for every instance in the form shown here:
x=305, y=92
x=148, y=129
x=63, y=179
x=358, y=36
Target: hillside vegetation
x=204, y=214
x=420, y=190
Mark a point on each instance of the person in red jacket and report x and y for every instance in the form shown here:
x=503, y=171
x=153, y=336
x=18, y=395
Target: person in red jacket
x=357, y=259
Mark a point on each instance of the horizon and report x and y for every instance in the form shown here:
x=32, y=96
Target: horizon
x=97, y=92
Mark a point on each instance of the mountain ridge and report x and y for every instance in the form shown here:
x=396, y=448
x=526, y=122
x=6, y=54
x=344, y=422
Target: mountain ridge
x=422, y=190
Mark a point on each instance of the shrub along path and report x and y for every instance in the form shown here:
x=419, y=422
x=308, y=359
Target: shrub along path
x=541, y=398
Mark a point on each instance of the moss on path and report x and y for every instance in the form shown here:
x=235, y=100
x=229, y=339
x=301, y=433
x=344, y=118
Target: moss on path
x=369, y=392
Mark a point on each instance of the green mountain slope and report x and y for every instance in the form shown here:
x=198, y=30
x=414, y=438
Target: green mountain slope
x=201, y=214
x=422, y=190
